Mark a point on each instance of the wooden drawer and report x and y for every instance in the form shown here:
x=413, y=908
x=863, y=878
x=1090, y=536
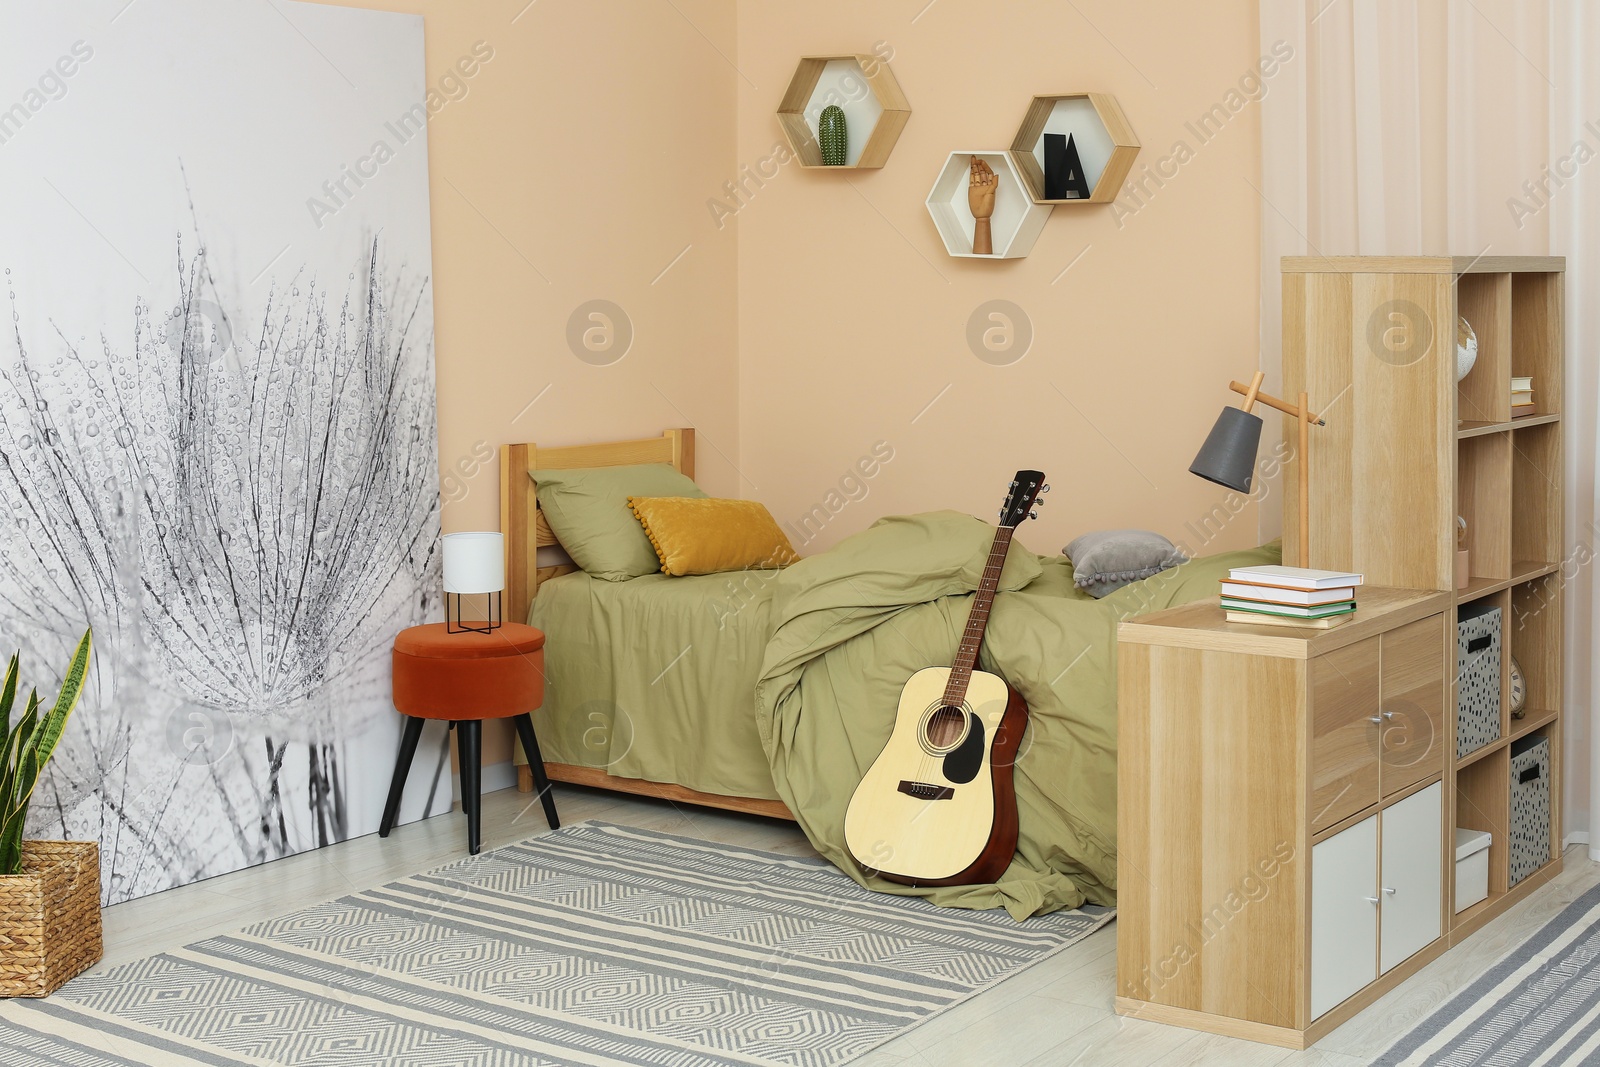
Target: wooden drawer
x=1377, y=719
x=1344, y=732
x=1413, y=698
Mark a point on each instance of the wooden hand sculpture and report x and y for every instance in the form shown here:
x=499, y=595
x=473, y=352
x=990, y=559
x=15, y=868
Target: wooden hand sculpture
x=981, y=186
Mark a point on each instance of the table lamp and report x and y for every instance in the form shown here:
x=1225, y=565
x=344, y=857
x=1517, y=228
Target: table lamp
x=1228, y=456
x=474, y=564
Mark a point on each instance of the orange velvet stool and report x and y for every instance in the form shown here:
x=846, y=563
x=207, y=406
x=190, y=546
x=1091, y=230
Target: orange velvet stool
x=463, y=679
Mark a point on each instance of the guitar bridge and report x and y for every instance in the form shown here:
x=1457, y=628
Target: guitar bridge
x=925, y=791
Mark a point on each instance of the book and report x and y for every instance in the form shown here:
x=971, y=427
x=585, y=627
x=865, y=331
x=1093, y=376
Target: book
x=1524, y=396
x=1294, y=577
x=1522, y=385
x=1519, y=411
x=1254, y=619
x=1255, y=607
x=1277, y=594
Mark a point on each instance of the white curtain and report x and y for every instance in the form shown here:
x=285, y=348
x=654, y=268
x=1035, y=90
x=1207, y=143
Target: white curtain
x=1574, y=232
x=1408, y=127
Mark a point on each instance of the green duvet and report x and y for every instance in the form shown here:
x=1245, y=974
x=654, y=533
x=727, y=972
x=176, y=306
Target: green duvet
x=849, y=626
x=784, y=684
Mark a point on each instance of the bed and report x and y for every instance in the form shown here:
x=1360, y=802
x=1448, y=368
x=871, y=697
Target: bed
x=640, y=715
x=772, y=692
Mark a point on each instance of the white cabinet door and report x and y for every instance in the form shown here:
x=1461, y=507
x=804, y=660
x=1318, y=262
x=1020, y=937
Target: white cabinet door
x=1410, y=876
x=1344, y=914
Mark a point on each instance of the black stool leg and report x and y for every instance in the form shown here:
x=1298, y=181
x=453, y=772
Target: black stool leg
x=469, y=747
x=541, y=784
x=402, y=767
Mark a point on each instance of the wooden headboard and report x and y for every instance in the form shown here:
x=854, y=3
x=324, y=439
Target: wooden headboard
x=521, y=521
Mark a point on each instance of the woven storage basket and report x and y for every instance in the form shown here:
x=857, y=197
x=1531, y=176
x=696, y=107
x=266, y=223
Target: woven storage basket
x=49, y=917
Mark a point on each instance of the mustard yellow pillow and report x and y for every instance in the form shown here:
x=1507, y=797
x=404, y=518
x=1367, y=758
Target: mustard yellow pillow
x=693, y=536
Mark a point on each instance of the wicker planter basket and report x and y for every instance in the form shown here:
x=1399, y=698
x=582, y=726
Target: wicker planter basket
x=49, y=917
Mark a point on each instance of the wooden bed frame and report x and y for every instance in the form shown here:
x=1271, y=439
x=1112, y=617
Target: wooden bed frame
x=526, y=532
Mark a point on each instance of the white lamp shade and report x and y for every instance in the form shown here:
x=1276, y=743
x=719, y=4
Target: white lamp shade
x=474, y=562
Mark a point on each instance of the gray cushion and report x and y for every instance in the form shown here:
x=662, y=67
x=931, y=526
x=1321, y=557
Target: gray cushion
x=1106, y=560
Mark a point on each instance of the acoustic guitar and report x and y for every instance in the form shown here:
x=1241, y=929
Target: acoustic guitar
x=937, y=806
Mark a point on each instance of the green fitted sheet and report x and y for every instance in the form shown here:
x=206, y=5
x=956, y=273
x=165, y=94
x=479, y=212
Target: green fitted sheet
x=655, y=677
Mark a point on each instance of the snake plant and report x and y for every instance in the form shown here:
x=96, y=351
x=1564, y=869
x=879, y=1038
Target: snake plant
x=26, y=747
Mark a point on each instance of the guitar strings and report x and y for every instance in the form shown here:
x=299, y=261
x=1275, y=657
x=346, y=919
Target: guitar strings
x=977, y=620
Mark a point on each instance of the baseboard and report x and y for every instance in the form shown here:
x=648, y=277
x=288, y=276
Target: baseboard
x=496, y=776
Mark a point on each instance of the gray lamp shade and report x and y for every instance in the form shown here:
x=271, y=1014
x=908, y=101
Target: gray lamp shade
x=1229, y=455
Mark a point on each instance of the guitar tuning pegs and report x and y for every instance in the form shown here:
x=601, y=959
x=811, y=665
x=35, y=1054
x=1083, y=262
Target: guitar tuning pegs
x=1045, y=488
x=1002, y=513
x=1038, y=503
x=1013, y=483
x=1033, y=514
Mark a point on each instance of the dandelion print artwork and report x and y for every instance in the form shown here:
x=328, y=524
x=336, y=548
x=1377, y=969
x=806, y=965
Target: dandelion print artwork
x=217, y=428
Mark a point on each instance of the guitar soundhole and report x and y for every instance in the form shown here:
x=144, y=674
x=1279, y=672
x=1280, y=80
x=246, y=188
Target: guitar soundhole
x=945, y=728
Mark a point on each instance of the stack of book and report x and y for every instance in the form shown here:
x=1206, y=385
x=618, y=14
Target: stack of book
x=1289, y=596
x=1522, y=397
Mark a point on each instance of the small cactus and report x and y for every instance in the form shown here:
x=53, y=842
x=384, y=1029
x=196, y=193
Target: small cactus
x=831, y=136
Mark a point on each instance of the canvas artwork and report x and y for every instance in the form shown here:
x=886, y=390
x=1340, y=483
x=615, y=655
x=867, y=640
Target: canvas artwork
x=217, y=441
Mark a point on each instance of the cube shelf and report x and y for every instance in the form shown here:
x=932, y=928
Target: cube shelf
x=1483, y=802
x=1533, y=638
x=1414, y=448
x=1537, y=337
x=1483, y=471
x=1484, y=300
x=1536, y=493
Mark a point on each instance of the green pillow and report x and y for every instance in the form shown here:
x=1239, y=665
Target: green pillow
x=587, y=509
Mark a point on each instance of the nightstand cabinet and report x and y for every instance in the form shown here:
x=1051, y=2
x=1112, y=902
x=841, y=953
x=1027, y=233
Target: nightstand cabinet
x=1284, y=827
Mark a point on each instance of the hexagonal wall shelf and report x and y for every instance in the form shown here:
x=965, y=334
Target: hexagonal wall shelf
x=1105, y=143
x=875, y=110
x=1016, y=221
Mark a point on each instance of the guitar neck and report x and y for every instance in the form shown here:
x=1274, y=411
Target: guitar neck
x=955, y=691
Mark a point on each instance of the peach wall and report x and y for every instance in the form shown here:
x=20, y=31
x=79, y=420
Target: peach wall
x=807, y=323
x=852, y=318
x=574, y=165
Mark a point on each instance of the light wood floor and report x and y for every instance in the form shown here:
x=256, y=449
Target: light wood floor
x=1056, y=1013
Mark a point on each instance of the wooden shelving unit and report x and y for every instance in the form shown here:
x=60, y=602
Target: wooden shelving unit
x=1105, y=142
x=1017, y=220
x=864, y=87
x=1407, y=449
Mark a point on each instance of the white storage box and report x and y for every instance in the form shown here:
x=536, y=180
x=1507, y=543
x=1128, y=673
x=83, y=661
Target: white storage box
x=1472, y=867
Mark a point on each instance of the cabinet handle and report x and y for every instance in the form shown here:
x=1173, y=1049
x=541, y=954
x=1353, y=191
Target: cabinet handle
x=1388, y=715
x=1370, y=900
x=1389, y=891
x=1375, y=718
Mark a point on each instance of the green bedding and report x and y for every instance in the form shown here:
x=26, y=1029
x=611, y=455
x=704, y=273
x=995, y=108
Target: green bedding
x=852, y=624
x=652, y=678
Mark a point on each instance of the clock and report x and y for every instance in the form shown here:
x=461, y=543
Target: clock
x=1519, y=690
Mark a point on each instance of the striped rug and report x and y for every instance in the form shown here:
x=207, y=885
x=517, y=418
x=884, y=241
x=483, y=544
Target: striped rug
x=1538, y=1006
x=593, y=945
